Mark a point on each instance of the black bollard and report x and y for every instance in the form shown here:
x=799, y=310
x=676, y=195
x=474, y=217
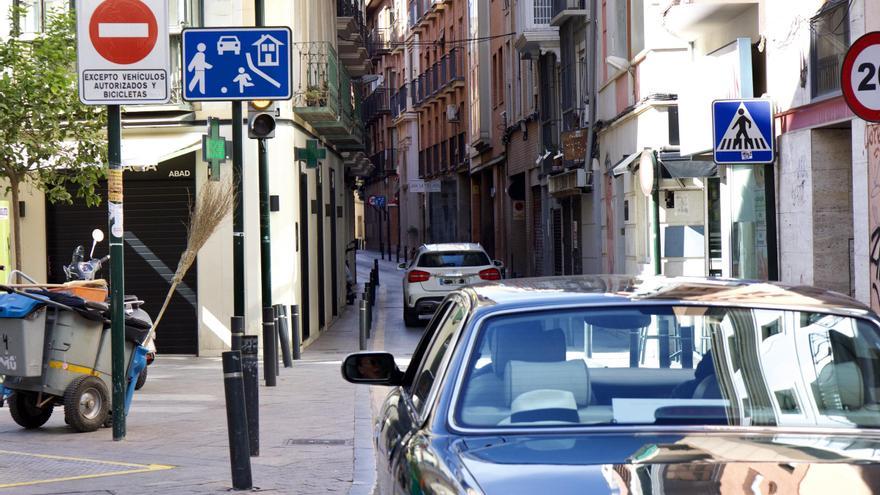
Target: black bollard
x=369, y=317
x=362, y=334
x=250, y=347
x=237, y=326
x=236, y=421
x=277, y=335
x=297, y=335
x=376, y=268
x=284, y=332
x=270, y=353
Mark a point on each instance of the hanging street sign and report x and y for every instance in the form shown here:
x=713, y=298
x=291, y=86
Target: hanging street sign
x=743, y=131
x=376, y=201
x=860, y=77
x=311, y=154
x=236, y=64
x=215, y=149
x=122, y=51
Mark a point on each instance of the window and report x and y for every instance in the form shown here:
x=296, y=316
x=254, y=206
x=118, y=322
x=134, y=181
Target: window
x=828, y=45
x=35, y=14
x=429, y=369
x=637, y=27
x=672, y=365
x=453, y=259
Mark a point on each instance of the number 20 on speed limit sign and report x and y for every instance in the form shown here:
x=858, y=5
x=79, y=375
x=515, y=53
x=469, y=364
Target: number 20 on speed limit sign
x=860, y=77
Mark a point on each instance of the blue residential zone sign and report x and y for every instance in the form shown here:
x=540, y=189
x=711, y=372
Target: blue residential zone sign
x=236, y=64
x=743, y=131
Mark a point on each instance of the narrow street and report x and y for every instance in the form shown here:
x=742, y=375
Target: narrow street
x=315, y=428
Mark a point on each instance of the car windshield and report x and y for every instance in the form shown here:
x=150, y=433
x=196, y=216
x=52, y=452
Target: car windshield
x=672, y=365
x=453, y=258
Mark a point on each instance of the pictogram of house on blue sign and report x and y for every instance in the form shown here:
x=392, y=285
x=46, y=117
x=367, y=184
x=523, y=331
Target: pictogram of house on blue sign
x=268, y=50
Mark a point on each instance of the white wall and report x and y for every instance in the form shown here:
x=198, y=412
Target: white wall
x=795, y=197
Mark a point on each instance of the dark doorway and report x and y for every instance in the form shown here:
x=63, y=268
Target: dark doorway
x=319, y=216
x=334, y=269
x=305, y=304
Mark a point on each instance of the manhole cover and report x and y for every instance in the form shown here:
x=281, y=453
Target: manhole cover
x=313, y=441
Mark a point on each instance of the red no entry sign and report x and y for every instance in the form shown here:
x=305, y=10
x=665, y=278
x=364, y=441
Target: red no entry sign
x=123, y=31
x=860, y=77
x=122, y=51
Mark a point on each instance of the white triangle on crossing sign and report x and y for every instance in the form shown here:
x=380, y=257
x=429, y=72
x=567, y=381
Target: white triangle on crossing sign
x=743, y=134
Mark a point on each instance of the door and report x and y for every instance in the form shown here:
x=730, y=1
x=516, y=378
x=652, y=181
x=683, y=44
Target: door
x=334, y=265
x=156, y=215
x=305, y=304
x=319, y=217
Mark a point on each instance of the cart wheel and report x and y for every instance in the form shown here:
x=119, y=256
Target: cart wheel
x=24, y=410
x=142, y=379
x=86, y=403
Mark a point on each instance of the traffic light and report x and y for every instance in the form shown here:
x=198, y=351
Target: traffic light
x=261, y=119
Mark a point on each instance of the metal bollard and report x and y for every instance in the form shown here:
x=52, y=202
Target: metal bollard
x=270, y=356
x=297, y=335
x=368, y=292
x=376, y=268
x=284, y=333
x=276, y=335
x=236, y=421
x=369, y=318
x=250, y=347
x=237, y=326
x=362, y=333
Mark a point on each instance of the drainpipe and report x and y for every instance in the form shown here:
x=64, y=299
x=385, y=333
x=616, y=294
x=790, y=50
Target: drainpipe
x=655, y=215
x=591, y=132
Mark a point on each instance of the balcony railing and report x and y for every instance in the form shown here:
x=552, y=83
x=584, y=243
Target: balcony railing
x=446, y=71
x=378, y=42
x=376, y=105
x=565, y=8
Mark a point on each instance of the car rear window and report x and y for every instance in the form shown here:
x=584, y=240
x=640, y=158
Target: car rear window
x=453, y=258
x=673, y=365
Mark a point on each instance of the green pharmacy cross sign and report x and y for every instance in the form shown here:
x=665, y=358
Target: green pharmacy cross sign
x=215, y=149
x=311, y=154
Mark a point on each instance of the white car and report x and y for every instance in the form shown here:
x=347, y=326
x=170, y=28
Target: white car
x=438, y=269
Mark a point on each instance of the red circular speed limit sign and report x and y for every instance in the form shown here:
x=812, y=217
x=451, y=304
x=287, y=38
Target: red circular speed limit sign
x=123, y=31
x=860, y=77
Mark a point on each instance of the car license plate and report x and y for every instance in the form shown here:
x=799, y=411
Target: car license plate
x=452, y=281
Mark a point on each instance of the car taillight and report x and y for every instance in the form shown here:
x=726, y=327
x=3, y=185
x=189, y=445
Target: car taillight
x=490, y=274
x=418, y=276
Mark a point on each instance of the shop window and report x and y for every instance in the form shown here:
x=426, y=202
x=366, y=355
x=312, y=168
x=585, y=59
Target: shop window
x=828, y=44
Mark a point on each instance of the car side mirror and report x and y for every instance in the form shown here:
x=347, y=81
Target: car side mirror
x=497, y=263
x=371, y=368
x=402, y=266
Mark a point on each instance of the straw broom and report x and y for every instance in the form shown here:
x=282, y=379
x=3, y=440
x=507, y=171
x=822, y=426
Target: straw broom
x=211, y=207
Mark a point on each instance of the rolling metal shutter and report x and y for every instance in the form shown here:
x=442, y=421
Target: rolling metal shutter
x=156, y=212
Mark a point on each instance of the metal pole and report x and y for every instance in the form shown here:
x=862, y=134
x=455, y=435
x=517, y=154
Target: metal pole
x=362, y=334
x=376, y=269
x=369, y=302
x=297, y=333
x=236, y=421
x=655, y=227
x=238, y=213
x=265, y=237
x=270, y=358
x=237, y=325
x=284, y=332
x=117, y=273
x=276, y=338
x=251, y=370
x=387, y=232
x=381, y=243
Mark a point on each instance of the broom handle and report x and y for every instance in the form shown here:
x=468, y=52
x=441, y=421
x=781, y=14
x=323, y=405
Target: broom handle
x=162, y=311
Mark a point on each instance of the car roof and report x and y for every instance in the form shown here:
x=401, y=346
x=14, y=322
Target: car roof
x=625, y=289
x=452, y=246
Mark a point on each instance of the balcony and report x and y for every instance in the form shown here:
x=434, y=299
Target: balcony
x=384, y=163
x=536, y=34
x=697, y=18
x=376, y=105
x=563, y=10
x=444, y=76
x=379, y=42
x=352, y=37
x=420, y=10
x=325, y=97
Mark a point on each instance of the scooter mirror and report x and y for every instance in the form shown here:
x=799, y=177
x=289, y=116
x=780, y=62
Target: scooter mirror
x=97, y=236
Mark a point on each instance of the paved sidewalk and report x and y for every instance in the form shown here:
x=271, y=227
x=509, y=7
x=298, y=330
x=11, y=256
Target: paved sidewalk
x=315, y=431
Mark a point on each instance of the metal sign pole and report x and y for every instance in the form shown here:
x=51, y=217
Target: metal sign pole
x=238, y=213
x=117, y=274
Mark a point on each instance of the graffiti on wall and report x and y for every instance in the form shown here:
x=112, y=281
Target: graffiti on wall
x=872, y=144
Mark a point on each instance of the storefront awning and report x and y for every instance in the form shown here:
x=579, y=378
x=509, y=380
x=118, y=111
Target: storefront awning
x=153, y=149
x=672, y=166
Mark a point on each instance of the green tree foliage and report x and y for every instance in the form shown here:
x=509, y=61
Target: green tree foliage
x=48, y=139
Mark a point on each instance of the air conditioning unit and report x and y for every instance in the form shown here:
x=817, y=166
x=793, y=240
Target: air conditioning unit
x=452, y=113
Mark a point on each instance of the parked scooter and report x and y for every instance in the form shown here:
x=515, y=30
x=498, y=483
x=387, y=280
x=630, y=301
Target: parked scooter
x=80, y=269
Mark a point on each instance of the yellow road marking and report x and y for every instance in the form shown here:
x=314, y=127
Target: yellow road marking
x=136, y=468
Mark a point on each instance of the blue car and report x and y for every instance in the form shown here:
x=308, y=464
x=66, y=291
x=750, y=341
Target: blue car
x=620, y=385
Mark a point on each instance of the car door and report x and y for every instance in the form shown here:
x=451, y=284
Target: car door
x=395, y=419
x=417, y=394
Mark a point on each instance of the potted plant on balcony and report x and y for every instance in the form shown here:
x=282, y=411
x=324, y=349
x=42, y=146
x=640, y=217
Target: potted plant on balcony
x=316, y=96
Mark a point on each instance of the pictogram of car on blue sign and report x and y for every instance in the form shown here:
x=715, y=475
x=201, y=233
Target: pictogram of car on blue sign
x=228, y=44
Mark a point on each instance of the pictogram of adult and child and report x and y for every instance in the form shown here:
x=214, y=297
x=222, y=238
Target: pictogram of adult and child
x=268, y=50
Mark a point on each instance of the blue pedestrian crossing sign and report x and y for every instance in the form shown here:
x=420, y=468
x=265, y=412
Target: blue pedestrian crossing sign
x=236, y=64
x=743, y=131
